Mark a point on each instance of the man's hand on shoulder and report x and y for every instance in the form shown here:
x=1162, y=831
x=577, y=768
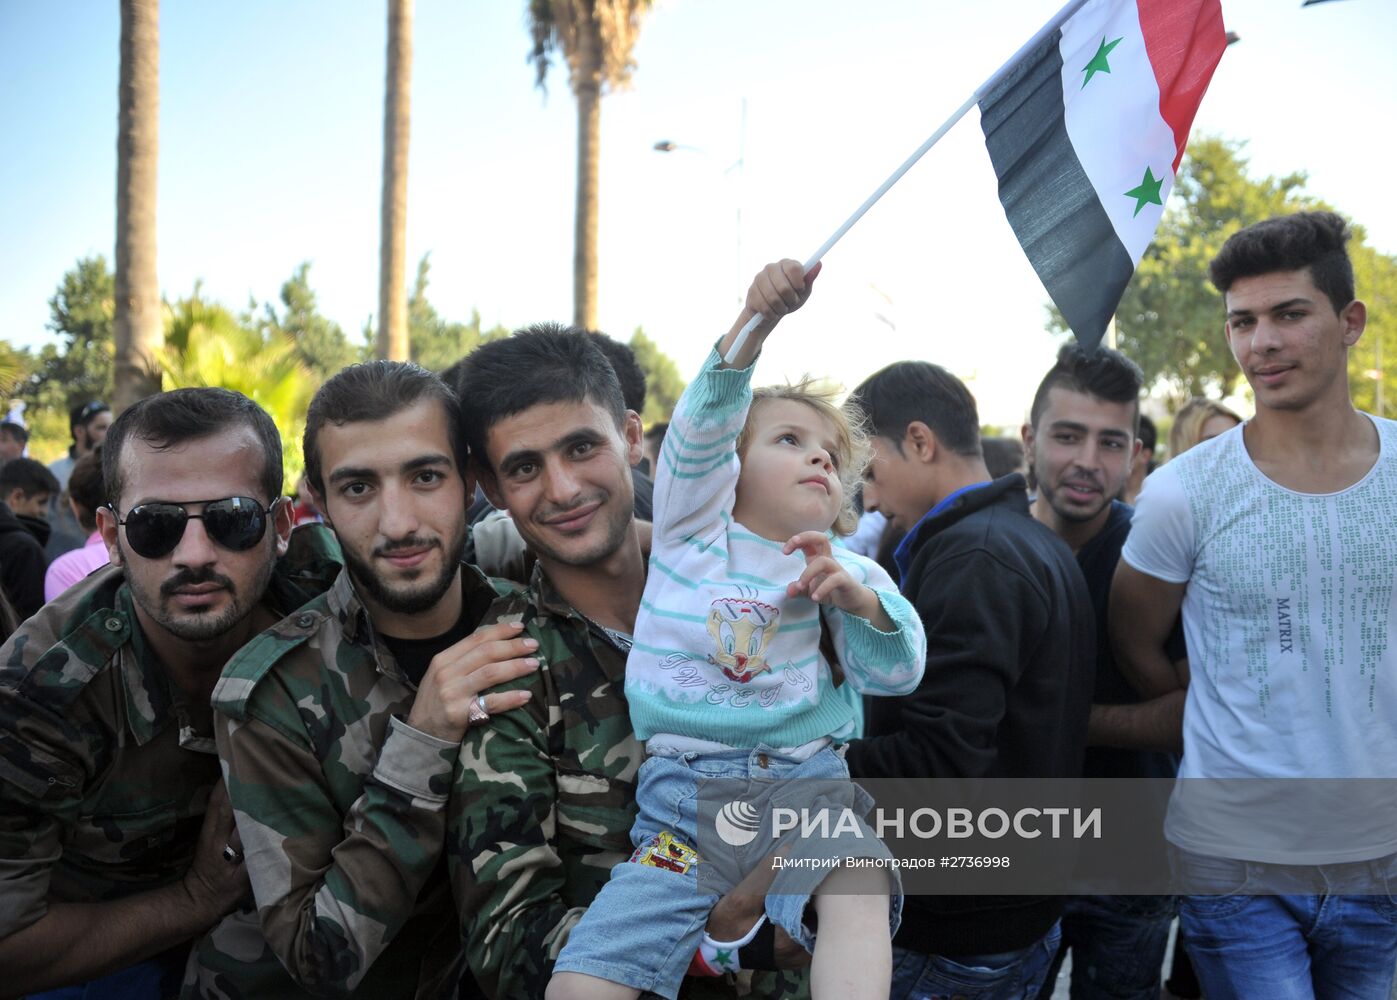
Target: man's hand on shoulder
x=491, y=655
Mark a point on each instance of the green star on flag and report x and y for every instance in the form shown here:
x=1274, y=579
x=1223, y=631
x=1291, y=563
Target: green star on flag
x=723, y=958
x=1147, y=193
x=1065, y=153
x=1098, y=62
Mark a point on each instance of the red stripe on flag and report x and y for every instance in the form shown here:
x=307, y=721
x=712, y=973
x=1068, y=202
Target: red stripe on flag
x=1184, y=40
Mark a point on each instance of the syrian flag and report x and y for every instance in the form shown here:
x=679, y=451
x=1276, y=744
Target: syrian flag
x=1086, y=132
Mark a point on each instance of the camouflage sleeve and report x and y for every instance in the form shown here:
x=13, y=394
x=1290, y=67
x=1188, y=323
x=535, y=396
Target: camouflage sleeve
x=40, y=793
x=333, y=885
x=506, y=871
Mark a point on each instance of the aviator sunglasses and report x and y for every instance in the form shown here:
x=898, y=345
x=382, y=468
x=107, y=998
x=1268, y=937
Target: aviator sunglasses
x=154, y=529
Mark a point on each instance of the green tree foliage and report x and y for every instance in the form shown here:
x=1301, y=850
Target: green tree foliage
x=205, y=345
x=663, y=383
x=14, y=367
x=434, y=342
x=276, y=354
x=81, y=312
x=1372, y=364
x=78, y=367
x=320, y=342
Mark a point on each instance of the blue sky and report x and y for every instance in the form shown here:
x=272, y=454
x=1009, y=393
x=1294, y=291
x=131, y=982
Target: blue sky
x=271, y=126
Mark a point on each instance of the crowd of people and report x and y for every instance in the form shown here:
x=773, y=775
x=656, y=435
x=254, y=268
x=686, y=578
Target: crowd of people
x=443, y=738
x=48, y=536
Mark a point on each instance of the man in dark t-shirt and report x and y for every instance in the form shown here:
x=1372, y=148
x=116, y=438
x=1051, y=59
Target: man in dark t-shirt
x=1098, y=557
x=1081, y=443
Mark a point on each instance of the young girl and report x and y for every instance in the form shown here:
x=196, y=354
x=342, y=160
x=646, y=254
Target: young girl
x=726, y=678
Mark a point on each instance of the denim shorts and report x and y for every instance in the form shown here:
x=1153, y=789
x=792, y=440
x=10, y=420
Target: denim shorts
x=644, y=926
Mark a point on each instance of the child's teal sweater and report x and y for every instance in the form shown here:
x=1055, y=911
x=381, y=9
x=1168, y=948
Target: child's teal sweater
x=721, y=653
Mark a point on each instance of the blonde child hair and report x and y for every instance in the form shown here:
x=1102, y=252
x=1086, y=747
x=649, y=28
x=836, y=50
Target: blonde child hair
x=852, y=449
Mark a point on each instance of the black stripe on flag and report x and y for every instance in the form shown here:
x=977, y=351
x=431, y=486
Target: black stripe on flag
x=1051, y=205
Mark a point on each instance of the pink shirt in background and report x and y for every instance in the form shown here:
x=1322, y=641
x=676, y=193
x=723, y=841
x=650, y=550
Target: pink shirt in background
x=73, y=566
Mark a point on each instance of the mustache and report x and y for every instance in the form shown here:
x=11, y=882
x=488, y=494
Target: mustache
x=407, y=542
x=552, y=511
x=194, y=577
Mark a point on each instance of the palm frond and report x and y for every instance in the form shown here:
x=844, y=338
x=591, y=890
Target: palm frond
x=614, y=26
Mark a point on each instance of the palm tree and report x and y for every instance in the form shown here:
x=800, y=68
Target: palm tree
x=596, y=38
x=14, y=366
x=207, y=346
x=138, y=327
x=397, y=101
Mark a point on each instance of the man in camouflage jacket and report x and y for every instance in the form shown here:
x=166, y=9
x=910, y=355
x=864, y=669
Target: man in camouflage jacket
x=339, y=726
x=544, y=799
x=107, y=762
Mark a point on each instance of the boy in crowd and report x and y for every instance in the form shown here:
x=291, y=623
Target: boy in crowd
x=26, y=488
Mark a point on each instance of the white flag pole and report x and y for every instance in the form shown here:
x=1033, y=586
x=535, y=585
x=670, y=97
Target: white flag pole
x=1061, y=16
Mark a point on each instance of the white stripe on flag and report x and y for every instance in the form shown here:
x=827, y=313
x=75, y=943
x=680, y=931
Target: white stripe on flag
x=1114, y=121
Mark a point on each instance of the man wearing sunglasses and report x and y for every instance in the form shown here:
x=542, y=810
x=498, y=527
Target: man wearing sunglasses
x=115, y=833
x=340, y=726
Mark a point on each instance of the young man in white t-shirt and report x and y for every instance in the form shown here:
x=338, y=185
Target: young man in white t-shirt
x=1277, y=540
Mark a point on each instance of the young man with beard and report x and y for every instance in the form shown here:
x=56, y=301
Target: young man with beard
x=1276, y=540
x=544, y=798
x=339, y=726
x=1081, y=444
x=89, y=424
x=113, y=822
x=498, y=547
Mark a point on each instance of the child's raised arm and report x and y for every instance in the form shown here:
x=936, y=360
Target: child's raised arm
x=778, y=289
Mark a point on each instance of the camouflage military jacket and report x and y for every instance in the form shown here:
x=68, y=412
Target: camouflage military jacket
x=542, y=803
x=341, y=809
x=103, y=778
